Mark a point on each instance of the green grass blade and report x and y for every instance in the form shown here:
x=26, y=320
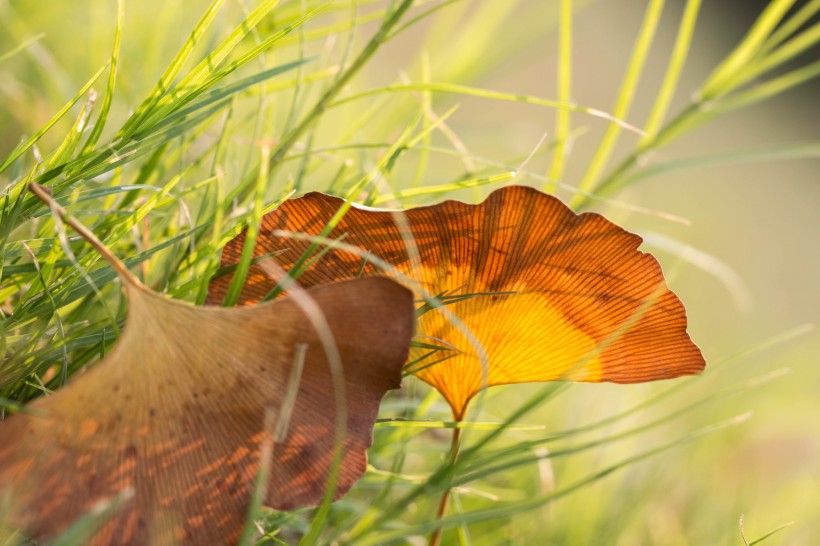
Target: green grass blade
x=771, y=533
x=330, y=95
x=790, y=26
x=629, y=86
x=84, y=528
x=21, y=47
x=706, y=262
x=564, y=79
x=215, y=96
x=674, y=69
x=756, y=94
x=72, y=139
x=108, y=98
x=255, y=220
x=468, y=425
x=423, y=15
x=779, y=57
x=217, y=214
x=412, y=193
x=440, y=479
x=107, y=160
x=479, y=24
x=175, y=101
x=487, y=94
x=102, y=118
x=166, y=80
x=25, y=146
x=515, y=508
x=494, y=462
x=770, y=153
x=763, y=27
x=206, y=67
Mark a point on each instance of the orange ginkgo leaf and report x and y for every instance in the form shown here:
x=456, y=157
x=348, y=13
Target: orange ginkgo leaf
x=181, y=413
x=548, y=293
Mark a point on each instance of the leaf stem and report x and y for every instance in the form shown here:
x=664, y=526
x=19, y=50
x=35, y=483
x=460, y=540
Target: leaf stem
x=455, y=448
x=44, y=196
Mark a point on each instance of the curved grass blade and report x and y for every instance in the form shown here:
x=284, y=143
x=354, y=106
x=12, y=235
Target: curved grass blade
x=171, y=72
x=29, y=142
x=510, y=509
x=22, y=46
x=488, y=94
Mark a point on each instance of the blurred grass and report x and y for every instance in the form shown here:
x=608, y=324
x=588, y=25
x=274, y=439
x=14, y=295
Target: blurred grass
x=165, y=173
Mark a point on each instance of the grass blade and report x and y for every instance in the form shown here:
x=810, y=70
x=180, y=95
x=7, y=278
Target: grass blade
x=562, y=126
x=790, y=26
x=718, y=82
x=488, y=94
x=515, y=508
x=238, y=281
x=164, y=84
x=25, y=146
x=627, y=93
x=97, y=130
x=22, y=46
x=673, y=71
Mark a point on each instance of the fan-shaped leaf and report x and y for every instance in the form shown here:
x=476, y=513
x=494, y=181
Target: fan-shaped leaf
x=548, y=294
x=180, y=411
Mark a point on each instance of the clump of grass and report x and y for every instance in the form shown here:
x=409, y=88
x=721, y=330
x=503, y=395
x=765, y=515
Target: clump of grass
x=261, y=103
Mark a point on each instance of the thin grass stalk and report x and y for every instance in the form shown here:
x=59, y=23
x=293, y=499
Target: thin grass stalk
x=562, y=122
x=166, y=80
x=515, y=508
x=238, y=282
x=31, y=141
x=630, y=84
x=673, y=72
x=108, y=98
x=801, y=43
x=324, y=102
x=488, y=94
x=22, y=46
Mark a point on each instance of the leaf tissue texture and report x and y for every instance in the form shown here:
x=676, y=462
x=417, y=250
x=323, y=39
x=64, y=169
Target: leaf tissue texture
x=180, y=411
x=548, y=294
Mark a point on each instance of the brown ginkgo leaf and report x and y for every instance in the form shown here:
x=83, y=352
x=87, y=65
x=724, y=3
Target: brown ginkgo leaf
x=548, y=294
x=183, y=409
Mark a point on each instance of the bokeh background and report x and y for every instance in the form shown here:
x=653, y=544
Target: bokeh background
x=759, y=222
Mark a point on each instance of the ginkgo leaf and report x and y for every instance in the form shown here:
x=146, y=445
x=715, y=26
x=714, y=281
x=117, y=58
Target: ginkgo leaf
x=548, y=294
x=181, y=411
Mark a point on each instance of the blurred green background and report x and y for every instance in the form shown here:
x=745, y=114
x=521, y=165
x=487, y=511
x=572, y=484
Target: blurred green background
x=760, y=220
